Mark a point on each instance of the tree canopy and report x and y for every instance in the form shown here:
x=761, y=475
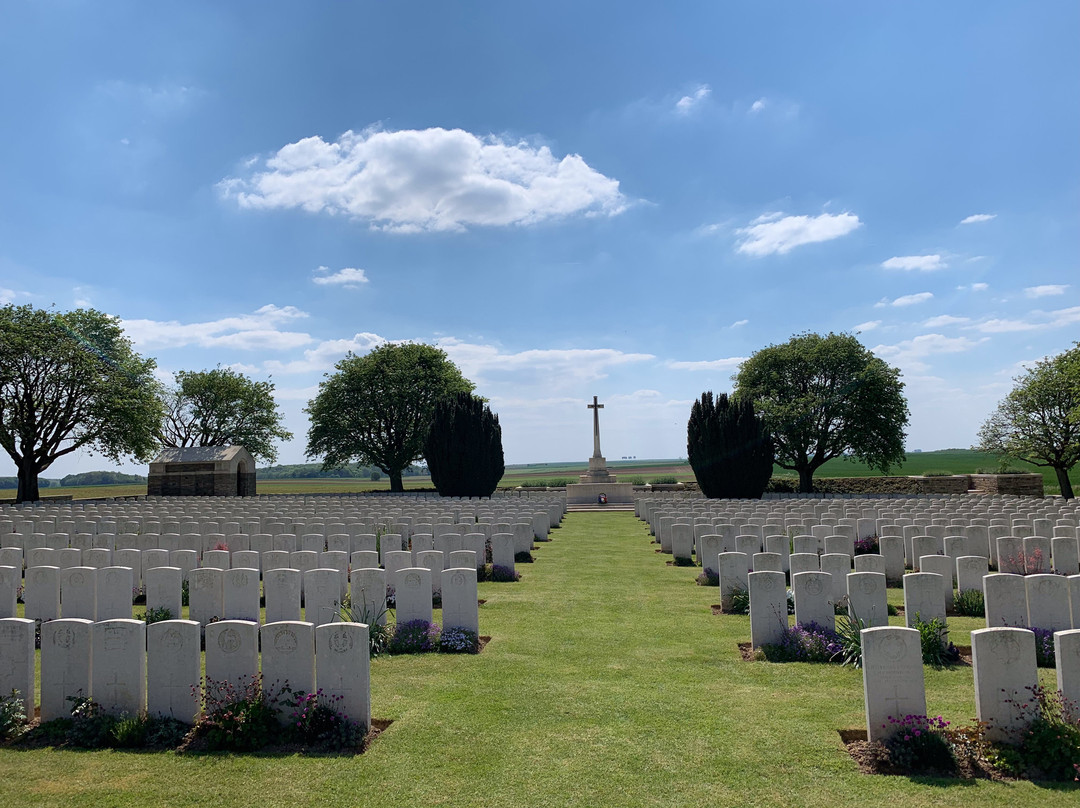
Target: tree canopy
x=464, y=447
x=824, y=397
x=221, y=407
x=376, y=409
x=728, y=447
x=1039, y=421
x=71, y=381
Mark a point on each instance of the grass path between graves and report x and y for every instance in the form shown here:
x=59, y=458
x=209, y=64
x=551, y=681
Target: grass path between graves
x=608, y=682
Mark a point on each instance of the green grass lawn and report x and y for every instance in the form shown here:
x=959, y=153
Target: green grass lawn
x=608, y=682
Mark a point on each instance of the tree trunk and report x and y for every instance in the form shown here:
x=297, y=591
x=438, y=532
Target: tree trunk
x=28, y=482
x=806, y=481
x=395, y=482
x=1064, y=482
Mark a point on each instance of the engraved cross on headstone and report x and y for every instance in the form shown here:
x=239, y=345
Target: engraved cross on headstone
x=596, y=407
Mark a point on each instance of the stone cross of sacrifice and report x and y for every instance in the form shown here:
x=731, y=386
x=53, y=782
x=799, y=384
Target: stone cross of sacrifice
x=595, y=407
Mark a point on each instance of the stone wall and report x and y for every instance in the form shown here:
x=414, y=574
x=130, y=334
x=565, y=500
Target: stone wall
x=956, y=484
x=1021, y=485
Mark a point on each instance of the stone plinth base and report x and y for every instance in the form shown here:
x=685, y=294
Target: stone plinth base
x=587, y=493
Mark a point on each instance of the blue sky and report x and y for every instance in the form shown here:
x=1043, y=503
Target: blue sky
x=619, y=199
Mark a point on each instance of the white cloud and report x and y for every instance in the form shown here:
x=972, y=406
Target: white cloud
x=324, y=355
x=6, y=296
x=869, y=325
x=710, y=364
x=908, y=300
x=1046, y=290
x=558, y=367
x=978, y=217
x=1038, y=321
x=427, y=180
x=911, y=353
x=687, y=103
x=245, y=332
x=975, y=287
x=347, y=277
x=776, y=233
x=757, y=106
x=739, y=323
x=923, y=263
x=943, y=320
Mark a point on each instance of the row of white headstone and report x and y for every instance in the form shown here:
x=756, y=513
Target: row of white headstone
x=1004, y=668
x=234, y=594
x=127, y=666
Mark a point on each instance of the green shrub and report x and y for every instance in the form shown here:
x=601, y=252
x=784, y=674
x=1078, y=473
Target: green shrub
x=938, y=473
x=729, y=447
x=156, y=615
x=379, y=633
x=936, y=648
x=918, y=744
x=969, y=603
x=740, y=601
x=637, y=481
x=666, y=479
x=12, y=715
x=238, y=717
x=849, y=634
x=1048, y=745
x=91, y=727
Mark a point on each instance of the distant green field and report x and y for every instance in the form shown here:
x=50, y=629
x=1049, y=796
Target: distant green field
x=956, y=461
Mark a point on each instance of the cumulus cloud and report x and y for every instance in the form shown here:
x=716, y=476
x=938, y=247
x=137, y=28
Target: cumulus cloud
x=6, y=296
x=978, y=217
x=777, y=233
x=905, y=300
x=258, y=330
x=710, y=364
x=869, y=325
x=943, y=320
x=426, y=180
x=1046, y=290
x=923, y=263
x=347, y=277
x=912, y=353
x=757, y=106
x=324, y=355
x=687, y=103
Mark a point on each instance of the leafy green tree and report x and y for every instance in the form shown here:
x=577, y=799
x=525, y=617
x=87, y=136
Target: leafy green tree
x=824, y=397
x=376, y=409
x=728, y=447
x=221, y=407
x=1039, y=421
x=464, y=449
x=70, y=381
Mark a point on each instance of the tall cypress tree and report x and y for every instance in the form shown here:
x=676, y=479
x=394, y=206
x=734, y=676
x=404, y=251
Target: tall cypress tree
x=728, y=447
x=464, y=447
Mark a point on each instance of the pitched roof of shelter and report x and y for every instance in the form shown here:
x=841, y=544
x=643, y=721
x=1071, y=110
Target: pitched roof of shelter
x=198, y=454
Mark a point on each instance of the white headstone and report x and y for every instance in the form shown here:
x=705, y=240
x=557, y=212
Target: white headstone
x=17, y=660
x=1067, y=663
x=78, y=592
x=813, y=599
x=343, y=669
x=412, y=592
x=173, y=669
x=893, y=683
x=65, y=666
x=459, y=603
x=768, y=607
x=924, y=597
x=118, y=666
x=164, y=590
x=232, y=655
x=368, y=595
x=41, y=593
x=322, y=595
x=281, y=587
x=205, y=595
x=288, y=660
x=1048, y=602
x=115, y=589
x=1005, y=599
x=868, y=598
x=1003, y=662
